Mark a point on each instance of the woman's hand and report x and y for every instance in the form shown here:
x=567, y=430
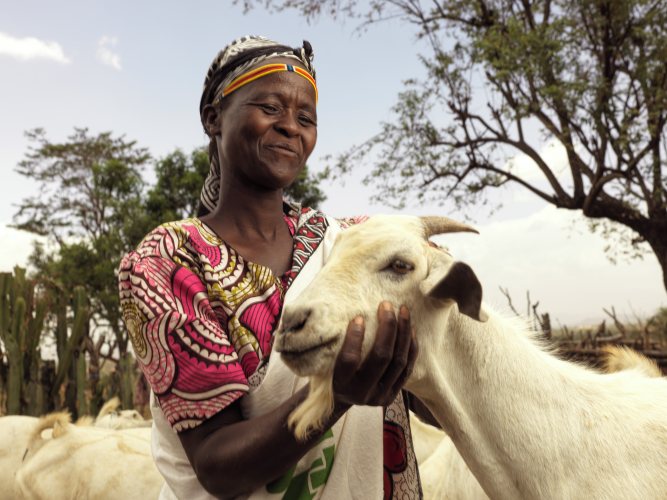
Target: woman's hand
x=376, y=380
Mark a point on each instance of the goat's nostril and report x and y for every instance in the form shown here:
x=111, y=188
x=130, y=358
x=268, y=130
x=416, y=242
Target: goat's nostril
x=296, y=323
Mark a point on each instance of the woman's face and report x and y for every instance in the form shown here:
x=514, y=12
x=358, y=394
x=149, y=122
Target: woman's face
x=267, y=129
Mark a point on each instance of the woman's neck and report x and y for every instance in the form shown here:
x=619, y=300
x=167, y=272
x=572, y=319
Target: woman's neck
x=250, y=219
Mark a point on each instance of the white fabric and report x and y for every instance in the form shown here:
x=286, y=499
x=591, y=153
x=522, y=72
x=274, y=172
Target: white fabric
x=357, y=436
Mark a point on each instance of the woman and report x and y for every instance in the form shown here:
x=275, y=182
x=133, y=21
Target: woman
x=202, y=297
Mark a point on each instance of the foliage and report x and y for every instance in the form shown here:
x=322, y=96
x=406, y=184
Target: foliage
x=25, y=305
x=86, y=184
x=512, y=75
x=90, y=202
x=305, y=190
x=180, y=179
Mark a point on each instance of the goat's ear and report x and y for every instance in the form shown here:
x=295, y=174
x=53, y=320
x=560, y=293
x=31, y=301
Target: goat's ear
x=457, y=283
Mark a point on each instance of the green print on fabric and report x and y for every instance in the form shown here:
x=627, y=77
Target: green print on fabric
x=299, y=487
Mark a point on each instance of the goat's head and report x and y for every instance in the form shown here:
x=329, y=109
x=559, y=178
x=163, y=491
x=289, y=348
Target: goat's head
x=385, y=258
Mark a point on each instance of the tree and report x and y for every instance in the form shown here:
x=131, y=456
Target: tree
x=180, y=179
x=90, y=201
x=588, y=74
x=305, y=189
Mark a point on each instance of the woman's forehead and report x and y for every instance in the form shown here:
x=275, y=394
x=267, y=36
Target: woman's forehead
x=281, y=85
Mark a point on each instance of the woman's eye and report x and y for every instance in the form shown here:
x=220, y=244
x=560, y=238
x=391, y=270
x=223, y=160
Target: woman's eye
x=401, y=267
x=269, y=109
x=306, y=120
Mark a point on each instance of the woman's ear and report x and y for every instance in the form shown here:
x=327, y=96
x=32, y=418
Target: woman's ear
x=211, y=120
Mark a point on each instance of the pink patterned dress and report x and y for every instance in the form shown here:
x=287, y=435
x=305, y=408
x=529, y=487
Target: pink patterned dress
x=199, y=316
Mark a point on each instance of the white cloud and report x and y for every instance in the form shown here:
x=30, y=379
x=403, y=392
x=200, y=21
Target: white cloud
x=553, y=154
x=17, y=246
x=105, y=55
x=565, y=270
x=31, y=48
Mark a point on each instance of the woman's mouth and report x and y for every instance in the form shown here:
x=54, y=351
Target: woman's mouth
x=285, y=149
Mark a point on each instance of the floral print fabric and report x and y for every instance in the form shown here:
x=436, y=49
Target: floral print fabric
x=199, y=316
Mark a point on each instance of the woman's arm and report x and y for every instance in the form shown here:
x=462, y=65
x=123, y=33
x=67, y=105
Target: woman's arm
x=232, y=456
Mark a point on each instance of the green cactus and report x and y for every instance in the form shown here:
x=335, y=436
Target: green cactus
x=11, y=324
x=33, y=385
x=71, y=344
x=21, y=322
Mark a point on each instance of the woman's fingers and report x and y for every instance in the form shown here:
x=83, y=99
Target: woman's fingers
x=412, y=358
x=377, y=379
x=349, y=357
x=401, y=350
x=381, y=354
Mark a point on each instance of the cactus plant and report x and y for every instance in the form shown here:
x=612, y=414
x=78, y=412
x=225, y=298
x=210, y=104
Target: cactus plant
x=21, y=321
x=72, y=343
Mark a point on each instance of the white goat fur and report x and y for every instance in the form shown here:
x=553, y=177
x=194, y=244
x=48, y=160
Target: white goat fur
x=109, y=418
x=445, y=476
x=66, y=461
x=443, y=473
x=619, y=358
x=528, y=424
x=15, y=432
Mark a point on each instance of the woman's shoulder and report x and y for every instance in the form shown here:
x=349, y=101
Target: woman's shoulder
x=307, y=213
x=185, y=239
x=346, y=222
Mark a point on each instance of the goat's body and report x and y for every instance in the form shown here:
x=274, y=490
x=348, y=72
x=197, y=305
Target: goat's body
x=109, y=418
x=529, y=425
x=15, y=433
x=532, y=426
x=445, y=476
x=65, y=461
x=425, y=438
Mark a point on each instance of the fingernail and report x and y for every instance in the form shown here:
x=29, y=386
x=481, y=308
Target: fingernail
x=386, y=305
x=405, y=313
x=413, y=334
x=358, y=321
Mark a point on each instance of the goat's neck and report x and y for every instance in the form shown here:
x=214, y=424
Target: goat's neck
x=500, y=398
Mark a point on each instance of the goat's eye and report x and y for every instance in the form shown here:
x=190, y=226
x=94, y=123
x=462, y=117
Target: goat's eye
x=401, y=266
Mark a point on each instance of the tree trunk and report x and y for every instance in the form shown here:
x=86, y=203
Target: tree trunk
x=47, y=377
x=15, y=378
x=33, y=390
x=70, y=389
x=658, y=241
x=94, y=382
x=81, y=384
x=126, y=380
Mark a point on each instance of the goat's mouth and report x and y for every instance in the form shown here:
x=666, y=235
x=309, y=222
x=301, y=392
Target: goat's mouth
x=291, y=353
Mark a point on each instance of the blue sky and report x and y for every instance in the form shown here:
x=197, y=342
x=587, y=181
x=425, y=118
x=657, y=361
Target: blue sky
x=136, y=68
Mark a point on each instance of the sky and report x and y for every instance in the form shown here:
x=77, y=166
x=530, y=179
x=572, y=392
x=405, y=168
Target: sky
x=137, y=69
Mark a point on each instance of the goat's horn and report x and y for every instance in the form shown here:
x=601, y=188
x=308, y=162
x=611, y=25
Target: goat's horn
x=439, y=225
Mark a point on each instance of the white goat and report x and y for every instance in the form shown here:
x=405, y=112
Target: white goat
x=528, y=424
x=619, y=358
x=109, y=418
x=444, y=475
x=425, y=438
x=15, y=433
x=75, y=462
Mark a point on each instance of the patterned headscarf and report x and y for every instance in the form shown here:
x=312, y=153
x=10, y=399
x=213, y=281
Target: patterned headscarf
x=231, y=62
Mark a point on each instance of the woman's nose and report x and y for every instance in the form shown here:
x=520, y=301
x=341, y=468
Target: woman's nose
x=288, y=125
